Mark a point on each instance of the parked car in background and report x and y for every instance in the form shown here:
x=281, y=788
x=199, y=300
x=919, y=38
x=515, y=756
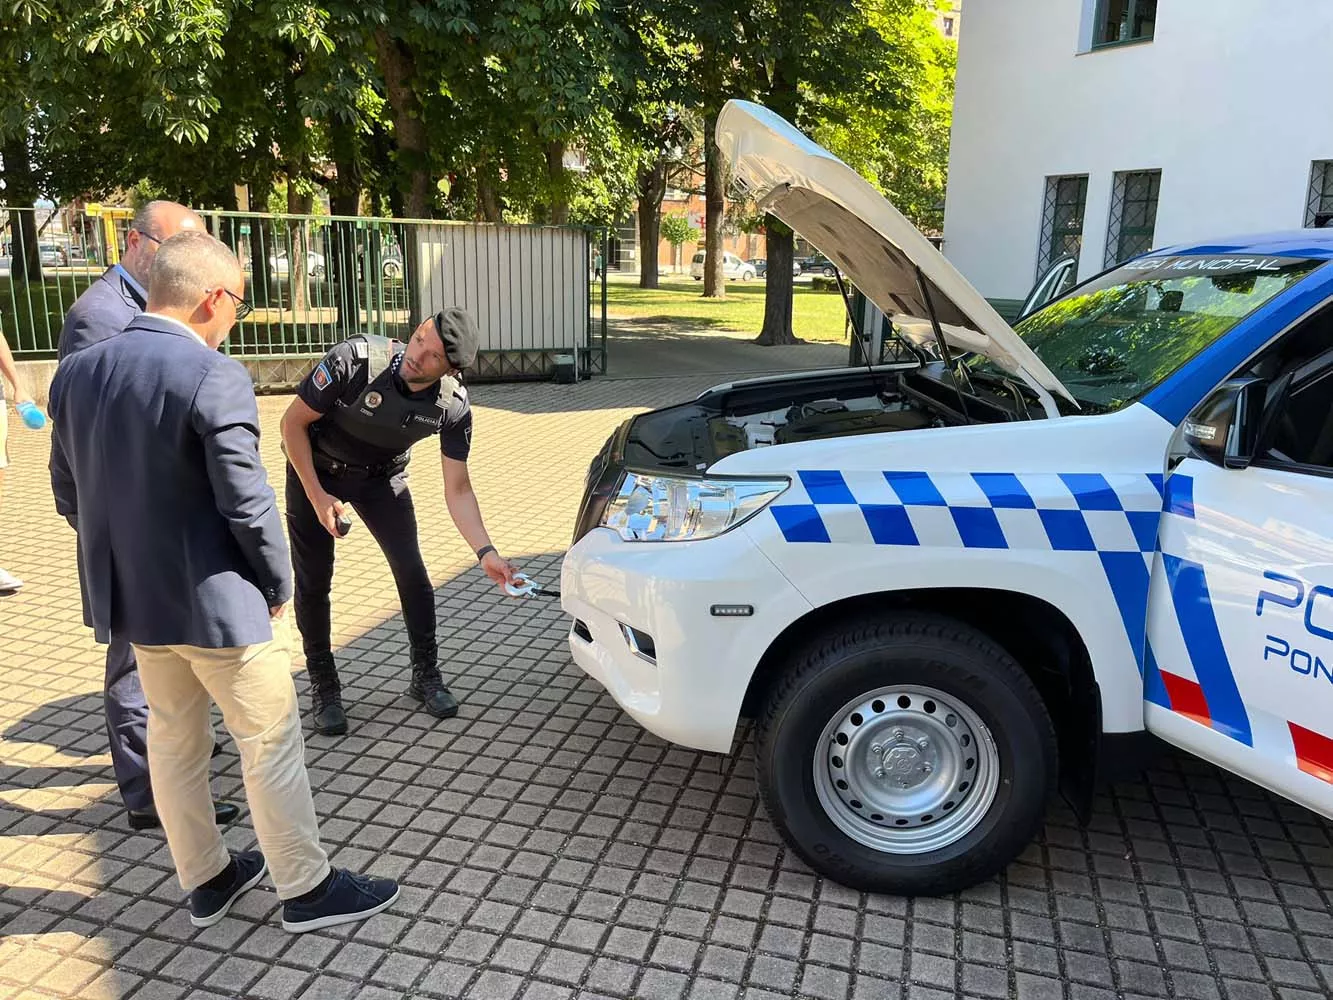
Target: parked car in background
x=818, y=264
x=53, y=254
x=281, y=266
x=732, y=267
x=761, y=266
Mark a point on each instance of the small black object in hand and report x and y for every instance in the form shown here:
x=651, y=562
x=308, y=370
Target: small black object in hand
x=343, y=524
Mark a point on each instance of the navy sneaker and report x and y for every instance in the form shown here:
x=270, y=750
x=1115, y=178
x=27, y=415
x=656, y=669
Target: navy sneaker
x=208, y=906
x=348, y=897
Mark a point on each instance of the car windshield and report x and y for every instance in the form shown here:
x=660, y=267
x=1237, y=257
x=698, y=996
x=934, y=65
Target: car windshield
x=1117, y=337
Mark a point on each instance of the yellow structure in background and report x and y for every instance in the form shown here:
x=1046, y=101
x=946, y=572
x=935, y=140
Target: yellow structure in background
x=110, y=238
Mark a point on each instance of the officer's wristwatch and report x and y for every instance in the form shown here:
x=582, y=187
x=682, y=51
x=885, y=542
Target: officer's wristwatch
x=481, y=552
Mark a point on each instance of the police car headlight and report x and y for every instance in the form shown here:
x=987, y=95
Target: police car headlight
x=650, y=508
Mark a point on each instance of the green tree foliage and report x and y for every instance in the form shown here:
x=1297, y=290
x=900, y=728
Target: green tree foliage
x=899, y=138
x=504, y=110
x=677, y=231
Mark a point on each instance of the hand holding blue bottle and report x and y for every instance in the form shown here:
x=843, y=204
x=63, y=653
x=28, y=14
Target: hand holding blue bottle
x=31, y=415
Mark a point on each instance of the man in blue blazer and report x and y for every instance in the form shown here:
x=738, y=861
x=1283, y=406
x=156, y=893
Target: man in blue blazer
x=101, y=312
x=155, y=459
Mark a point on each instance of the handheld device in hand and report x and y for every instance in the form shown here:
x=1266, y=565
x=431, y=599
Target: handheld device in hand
x=32, y=416
x=526, y=588
x=343, y=524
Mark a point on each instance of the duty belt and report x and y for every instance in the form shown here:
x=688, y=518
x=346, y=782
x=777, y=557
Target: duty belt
x=335, y=468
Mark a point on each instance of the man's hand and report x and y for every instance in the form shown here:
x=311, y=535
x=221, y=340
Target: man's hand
x=498, y=569
x=277, y=612
x=328, y=508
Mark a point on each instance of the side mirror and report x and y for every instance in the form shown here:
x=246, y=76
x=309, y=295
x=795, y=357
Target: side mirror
x=1223, y=429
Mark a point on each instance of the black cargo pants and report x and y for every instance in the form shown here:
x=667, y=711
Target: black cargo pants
x=384, y=505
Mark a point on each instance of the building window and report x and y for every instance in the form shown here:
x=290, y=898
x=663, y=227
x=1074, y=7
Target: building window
x=1319, y=205
x=1120, y=21
x=948, y=27
x=1062, y=220
x=1133, y=215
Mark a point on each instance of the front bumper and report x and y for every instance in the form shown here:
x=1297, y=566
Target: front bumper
x=689, y=691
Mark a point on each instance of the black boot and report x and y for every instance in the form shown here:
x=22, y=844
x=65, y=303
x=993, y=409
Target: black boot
x=428, y=688
x=326, y=696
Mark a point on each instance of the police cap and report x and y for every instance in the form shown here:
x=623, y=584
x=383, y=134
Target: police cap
x=458, y=332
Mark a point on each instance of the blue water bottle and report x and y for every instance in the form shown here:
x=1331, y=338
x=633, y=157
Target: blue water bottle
x=32, y=416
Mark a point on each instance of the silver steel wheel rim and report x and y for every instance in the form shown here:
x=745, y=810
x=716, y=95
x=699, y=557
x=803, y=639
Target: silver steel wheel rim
x=906, y=769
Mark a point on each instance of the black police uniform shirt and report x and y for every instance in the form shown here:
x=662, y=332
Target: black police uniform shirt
x=342, y=376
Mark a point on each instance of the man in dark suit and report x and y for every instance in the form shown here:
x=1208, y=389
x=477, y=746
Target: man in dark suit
x=155, y=458
x=102, y=312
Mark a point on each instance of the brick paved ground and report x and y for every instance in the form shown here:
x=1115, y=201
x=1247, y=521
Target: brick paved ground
x=550, y=849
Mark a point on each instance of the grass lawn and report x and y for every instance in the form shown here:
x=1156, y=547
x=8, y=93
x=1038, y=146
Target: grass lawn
x=818, y=316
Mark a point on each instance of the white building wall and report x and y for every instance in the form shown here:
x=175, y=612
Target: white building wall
x=1232, y=101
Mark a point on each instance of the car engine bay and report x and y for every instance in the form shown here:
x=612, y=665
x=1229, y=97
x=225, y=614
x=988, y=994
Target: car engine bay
x=780, y=411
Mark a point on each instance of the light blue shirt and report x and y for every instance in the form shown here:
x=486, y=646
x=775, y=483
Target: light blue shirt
x=143, y=292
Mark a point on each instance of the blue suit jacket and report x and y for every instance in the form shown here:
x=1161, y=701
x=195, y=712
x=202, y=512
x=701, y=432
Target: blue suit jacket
x=155, y=455
x=101, y=312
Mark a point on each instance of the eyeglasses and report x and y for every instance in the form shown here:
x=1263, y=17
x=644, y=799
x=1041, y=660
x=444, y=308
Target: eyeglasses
x=148, y=236
x=243, y=308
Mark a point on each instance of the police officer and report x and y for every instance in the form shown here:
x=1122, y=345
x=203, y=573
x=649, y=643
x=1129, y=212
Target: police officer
x=347, y=437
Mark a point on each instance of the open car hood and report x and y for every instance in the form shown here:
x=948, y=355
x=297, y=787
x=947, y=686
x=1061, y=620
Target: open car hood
x=837, y=210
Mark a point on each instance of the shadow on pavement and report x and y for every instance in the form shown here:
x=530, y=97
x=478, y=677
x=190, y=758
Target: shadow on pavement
x=541, y=793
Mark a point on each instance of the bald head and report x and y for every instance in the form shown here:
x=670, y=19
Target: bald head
x=153, y=224
x=164, y=219
x=197, y=279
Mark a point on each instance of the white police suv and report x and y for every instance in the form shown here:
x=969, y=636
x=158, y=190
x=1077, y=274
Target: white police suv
x=947, y=584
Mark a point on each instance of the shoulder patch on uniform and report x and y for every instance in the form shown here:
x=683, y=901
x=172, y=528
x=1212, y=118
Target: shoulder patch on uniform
x=321, y=377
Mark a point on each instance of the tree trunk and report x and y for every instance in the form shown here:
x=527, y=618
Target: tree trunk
x=229, y=225
x=21, y=191
x=715, y=286
x=777, y=285
x=342, y=256
x=555, y=178
x=397, y=64
x=779, y=238
x=261, y=243
x=298, y=274
x=488, y=188
x=652, y=189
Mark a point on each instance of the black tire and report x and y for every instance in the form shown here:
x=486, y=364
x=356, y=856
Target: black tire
x=827, y=272
x=911, y=649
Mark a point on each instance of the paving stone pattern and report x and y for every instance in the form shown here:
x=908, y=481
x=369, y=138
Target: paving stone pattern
x=551, y=849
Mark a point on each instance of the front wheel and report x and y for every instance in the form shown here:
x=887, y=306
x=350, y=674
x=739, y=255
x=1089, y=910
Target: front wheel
x=907, y=755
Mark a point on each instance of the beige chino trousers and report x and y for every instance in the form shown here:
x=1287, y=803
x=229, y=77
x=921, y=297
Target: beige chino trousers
x=253, y=687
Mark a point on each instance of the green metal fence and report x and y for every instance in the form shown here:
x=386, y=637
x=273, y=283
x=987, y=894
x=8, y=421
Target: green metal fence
x=315, y=280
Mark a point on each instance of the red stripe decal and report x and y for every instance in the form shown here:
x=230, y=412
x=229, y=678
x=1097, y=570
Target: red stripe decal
x=1187, y=698
x=1314, y=752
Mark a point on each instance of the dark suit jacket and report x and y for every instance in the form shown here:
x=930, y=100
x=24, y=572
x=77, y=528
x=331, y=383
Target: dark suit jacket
x=155, y=455
x=100, y=313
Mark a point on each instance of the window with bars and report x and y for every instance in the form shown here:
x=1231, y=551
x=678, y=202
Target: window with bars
x=1133, y=215
x=1120, y=21
x=1062, y=220
x=1319, y=204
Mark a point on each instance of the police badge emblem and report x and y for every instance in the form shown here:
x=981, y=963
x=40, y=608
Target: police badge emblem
x=373, y=399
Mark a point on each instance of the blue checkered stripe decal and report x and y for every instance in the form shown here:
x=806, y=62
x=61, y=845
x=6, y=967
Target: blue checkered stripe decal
x=1113, y=518
x=1072, y=512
